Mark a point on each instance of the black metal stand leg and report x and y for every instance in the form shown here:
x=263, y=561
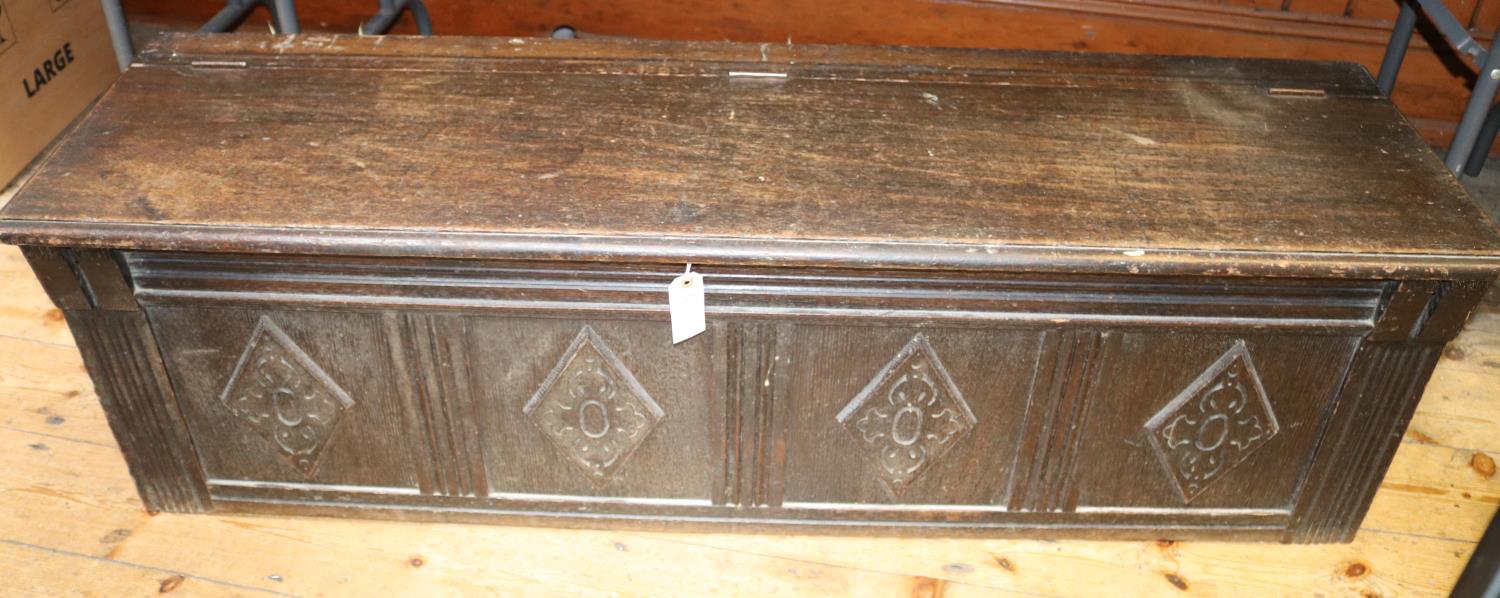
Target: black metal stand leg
x=1481, y=579
x=1395, y=50
x=389, y=10
x=114, y=19
x=234, y=11
x=286, y=17
x=1483, y=144
x=1479, y=105
x=419, y=12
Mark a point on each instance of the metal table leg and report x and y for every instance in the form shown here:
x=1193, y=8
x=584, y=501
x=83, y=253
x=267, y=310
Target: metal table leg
x=1395, y=51
x=389, y=10
x=1467, y=134
x=114, y=19
x=286, y=17
x=1483, y=144
x=1476, y=132
x=1481, y=579
x=234, y=11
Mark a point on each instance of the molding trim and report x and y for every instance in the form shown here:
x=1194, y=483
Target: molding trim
x=826, y=294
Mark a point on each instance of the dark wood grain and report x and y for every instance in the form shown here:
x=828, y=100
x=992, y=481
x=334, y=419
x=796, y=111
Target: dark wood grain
x=55, y=272
x=121, y=353
x=976, y=151
x=449, y=303
x=1385, y=383
x=765, y=422
x=1121, y=469
x=1047, y=448
x=439, y=404
x=1380, y=393
x=1432, y=91
x=123, y=359
x=635, y=290
x=366, y=447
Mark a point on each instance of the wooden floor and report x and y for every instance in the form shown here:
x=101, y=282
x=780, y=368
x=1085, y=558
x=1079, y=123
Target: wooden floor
x=70, y=523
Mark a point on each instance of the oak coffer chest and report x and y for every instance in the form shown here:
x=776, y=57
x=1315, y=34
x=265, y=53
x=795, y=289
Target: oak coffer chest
x=947, y=292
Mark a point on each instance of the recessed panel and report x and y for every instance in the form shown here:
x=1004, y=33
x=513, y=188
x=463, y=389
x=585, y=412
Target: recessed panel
x=889, y=416
x=594, y=408
x=288, y=396
x=1208, y=421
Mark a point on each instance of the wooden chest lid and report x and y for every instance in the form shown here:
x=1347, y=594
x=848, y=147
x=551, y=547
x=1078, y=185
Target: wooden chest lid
x=742, y=153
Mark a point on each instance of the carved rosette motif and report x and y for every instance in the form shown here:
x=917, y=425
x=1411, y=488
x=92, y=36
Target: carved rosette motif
x=285, y=397
x=908, y=416
x=593, y=409
x=1214, y=424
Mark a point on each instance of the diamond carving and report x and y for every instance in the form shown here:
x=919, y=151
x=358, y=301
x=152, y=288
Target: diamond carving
x=286, y=398
x=1214, y=424
x=908, y=416
x=593, y=409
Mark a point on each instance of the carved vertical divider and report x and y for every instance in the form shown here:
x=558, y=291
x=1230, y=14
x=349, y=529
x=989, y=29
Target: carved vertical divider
x=757, y=372
x=126, y=367
x=430, y=356
x=726, y=371
x=1067, y=372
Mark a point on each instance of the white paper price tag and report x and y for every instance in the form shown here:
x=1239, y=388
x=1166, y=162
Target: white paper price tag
x=685, y=300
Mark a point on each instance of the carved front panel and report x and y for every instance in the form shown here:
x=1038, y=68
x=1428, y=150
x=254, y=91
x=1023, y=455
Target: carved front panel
x=993, y=421
x=284, y=396
x=592, y=408
x=908, y=416
x=785, y=417
x=584, y=409
x=290, y=398
x=1215, y=424
x=892, y=416
x=1188, y=422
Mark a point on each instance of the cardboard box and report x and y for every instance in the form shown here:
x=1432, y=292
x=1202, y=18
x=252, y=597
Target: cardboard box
x=55, y=58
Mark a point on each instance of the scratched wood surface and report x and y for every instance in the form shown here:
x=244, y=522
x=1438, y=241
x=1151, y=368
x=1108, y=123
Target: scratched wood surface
x=842, y=145
x=1431, y=91
x=71, y=523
